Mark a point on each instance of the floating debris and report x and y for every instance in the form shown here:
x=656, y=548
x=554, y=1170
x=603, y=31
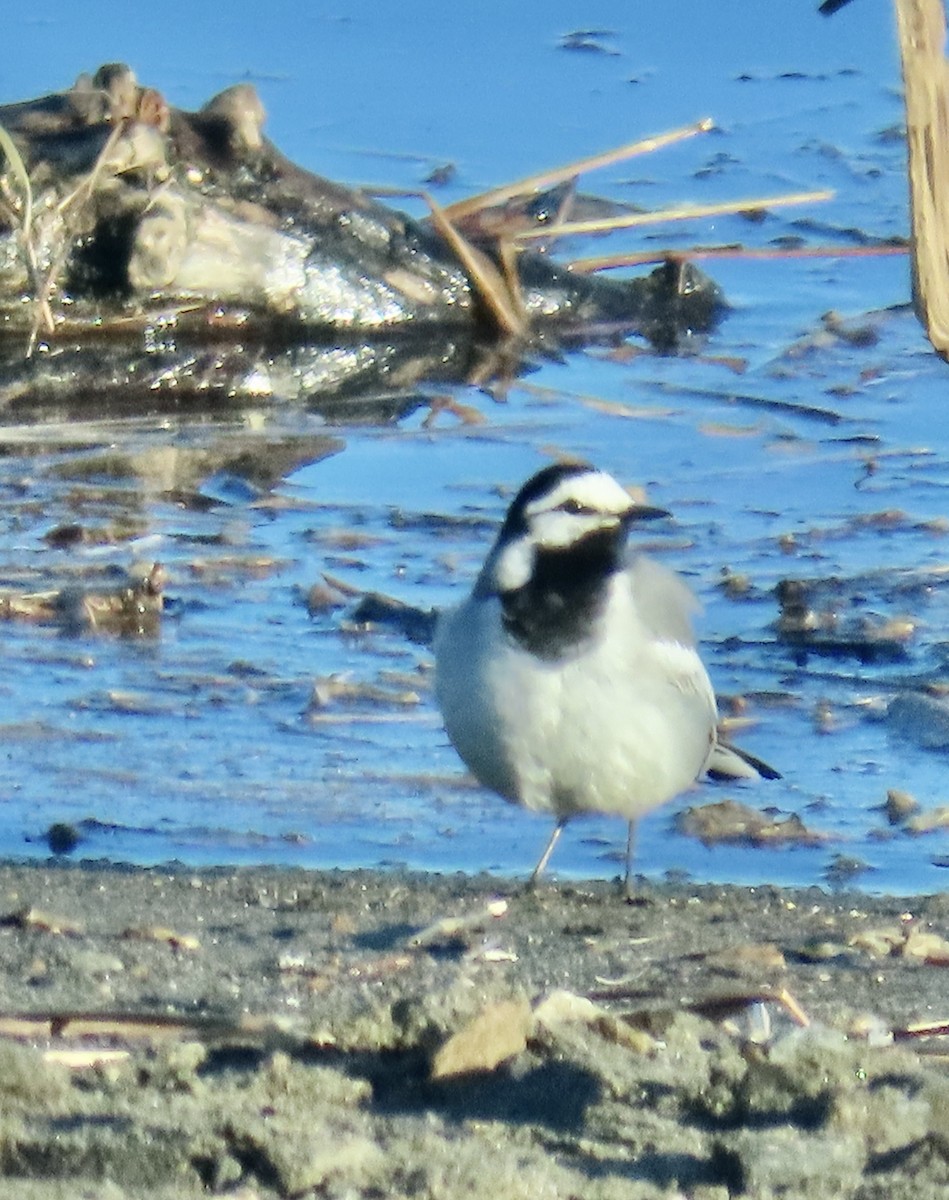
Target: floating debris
x=132, y=608
x=375, y=608
x=899, y=806
x=729, y=823
x=62, y=837
x=813, y=620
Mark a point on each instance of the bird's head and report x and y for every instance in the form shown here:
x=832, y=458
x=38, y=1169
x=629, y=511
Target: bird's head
x=569, y=511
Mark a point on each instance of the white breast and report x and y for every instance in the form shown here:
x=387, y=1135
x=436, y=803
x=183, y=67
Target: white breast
x=623, y=725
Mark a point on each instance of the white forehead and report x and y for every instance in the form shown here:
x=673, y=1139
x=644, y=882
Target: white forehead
x=594, y=490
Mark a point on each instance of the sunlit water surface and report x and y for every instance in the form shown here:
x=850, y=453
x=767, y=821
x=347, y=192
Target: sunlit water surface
x=773, y=449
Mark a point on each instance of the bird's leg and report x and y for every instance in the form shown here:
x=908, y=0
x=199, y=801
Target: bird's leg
x=548, y=850
x=630, y=851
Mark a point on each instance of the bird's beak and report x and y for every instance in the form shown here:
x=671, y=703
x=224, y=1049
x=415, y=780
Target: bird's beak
x=643, y=512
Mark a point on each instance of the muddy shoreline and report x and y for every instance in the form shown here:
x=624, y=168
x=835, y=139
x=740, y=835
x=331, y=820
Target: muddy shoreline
x=266, y=1032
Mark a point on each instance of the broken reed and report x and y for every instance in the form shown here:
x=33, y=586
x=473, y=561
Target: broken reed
x=550, y=178
x=682, y=212
x=609, y=262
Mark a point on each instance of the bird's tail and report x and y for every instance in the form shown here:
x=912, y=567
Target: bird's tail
x=728, y=762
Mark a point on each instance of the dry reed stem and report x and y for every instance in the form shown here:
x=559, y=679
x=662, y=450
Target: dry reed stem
x=70, y=208
x=22, y=179
x=21, y=175
x=683, y=212
x=85, y=188
x=792, y=1008
x=507, y=253
x=546, y=179
x=502, y=301
x=608, y=262
x=922, y=34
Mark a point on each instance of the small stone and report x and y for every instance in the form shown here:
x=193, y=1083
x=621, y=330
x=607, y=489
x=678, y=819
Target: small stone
x=37, y=971
x=821, y=951
x=302, y=1166
x=888, y=1118
x=729, y=823
x=614, y=1029
x=62, y=837
x=929, y=947
x=159, y=933
x=497, y=1033
x=321, y=598
x=880, y=943
x=37, y=920
x=561, y=1005
x=753, y=958
x=842, y=868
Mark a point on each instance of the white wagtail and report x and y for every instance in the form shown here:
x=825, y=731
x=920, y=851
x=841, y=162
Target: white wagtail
x=568, y=679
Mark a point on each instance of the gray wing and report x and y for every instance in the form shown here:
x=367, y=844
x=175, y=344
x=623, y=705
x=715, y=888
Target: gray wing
x=665, y=604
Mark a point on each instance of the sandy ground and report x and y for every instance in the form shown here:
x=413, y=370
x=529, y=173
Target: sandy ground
x=262, y=1033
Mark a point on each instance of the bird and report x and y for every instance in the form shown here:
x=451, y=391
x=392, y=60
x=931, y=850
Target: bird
x=568, y=679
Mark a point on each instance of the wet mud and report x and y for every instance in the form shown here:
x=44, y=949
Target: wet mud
x=269, y=1033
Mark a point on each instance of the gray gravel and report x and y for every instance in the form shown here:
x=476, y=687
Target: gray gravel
x=322, y=1034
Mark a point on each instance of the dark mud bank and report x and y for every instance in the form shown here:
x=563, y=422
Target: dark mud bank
x=145, y=247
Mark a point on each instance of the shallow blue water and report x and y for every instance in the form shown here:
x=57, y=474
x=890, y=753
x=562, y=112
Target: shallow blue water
x=203, y=745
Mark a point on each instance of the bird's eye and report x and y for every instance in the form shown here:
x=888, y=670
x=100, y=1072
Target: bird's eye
x=575, y=508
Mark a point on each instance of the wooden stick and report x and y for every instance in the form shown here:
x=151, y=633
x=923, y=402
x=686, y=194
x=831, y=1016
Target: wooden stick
x=546, y=179
x=922, y=33
x=681, y=213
